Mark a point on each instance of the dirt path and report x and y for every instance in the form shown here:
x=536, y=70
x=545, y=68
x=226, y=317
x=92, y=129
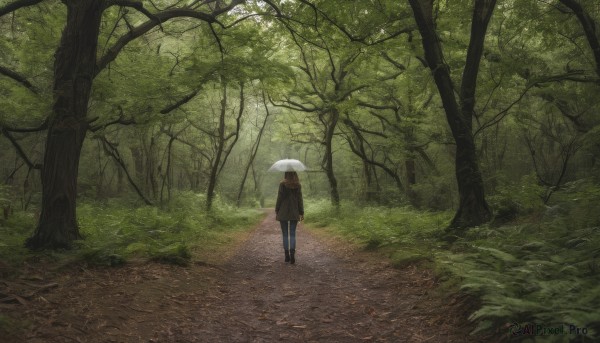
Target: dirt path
x=333, y=294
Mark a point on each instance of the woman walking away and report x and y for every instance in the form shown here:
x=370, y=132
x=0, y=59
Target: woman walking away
x=289, y=209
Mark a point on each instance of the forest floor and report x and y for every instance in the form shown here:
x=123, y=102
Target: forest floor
x=335, y=292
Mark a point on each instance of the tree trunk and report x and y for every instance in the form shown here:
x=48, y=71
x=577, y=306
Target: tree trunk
x=152, y=166
x=75, y=61
x=589, y=28
x=473, y=209
x=220, y=147
x=368, y=193
x=330, y=130
x=411, y=174
x=168, y=178
x=411, y=178
x=257, y=187
x=253, y=152
x=120, y=183
x=138, y=163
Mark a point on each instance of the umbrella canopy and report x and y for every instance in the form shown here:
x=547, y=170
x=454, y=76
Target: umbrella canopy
x=287, y=165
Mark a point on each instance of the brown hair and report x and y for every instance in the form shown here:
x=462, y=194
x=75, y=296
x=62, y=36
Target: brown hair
x=291, y=180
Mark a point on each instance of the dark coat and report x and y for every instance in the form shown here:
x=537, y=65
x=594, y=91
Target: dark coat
x=290, y=205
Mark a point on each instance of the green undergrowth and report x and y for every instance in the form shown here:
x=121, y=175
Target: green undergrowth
x=406, y=235
x=115, y=232
x=13, y=232
x=541, y=268
x=544, y=274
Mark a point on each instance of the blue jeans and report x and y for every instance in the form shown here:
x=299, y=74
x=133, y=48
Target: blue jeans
x=292, y=233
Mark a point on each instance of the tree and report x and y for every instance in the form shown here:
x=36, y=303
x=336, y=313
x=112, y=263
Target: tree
x=75, y=67
x=589, y=27
x=254, y=150
x=473, y=208
x=332, y=68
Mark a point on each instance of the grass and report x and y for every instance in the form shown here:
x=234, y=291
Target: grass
x=406, y=235
x=114, y=232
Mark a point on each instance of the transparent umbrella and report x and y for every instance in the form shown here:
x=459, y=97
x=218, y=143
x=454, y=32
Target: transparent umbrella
x=287, y=165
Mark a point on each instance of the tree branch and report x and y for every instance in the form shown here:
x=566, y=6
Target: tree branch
x=392, y=61
x=180, y=102
x=160, y=17
x=352, y=37
x=112, y=151
x=533, y=83
x=121, y=121
x=17, y=5
x=133, y=4
x=238, y=123
x=19, y=78
x=185, y=142
x=356, y=128
x=589, y=28
x=42, y=127
x=20, y=150
x=294, y=106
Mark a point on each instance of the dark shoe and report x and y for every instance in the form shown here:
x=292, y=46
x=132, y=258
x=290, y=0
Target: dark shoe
x=287, y=256
x=292, y=257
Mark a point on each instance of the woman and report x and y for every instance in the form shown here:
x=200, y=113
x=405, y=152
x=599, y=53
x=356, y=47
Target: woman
x=289, y=209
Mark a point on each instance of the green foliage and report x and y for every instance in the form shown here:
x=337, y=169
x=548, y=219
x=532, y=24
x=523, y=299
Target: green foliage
x=512, y=199
x=176, y=253
x=435, y=192
x=530, y=273
x=115, y=232
x=13, y=232
x=579, y=199
x=406, y=234
x=4, y=195
x=546, y=272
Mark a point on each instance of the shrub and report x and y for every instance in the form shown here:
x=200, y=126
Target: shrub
x=405, y=233
x=514, y=199
x=115, y=231
x=546, y=272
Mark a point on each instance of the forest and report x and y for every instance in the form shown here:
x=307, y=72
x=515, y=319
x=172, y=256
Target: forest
x=460, y=138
